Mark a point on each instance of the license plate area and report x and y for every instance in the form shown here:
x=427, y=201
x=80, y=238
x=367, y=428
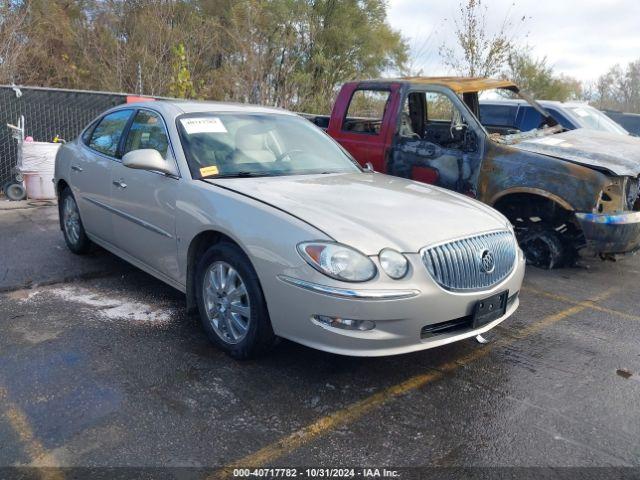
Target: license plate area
x=490, y=309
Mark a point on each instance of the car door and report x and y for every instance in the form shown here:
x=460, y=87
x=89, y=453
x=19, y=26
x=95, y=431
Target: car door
x=436, y=142
x=143, y=201
x=363, y=129
x=91, y=172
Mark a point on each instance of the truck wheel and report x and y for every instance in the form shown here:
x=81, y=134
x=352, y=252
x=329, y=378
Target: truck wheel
x=543, y=249
x=74, y=235
x=544, y=231
x=231, y=304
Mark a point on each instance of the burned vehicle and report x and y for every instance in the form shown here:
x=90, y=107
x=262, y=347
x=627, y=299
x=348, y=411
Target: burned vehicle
x=565, y=192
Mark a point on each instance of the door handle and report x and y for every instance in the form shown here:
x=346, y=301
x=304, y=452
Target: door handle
x=76, y=168
x=119, y=184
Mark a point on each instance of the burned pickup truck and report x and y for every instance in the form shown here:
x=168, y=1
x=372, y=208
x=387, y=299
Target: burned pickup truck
x=565, y=192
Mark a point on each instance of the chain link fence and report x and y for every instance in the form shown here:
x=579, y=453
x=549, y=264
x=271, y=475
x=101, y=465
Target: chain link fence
x=47, y=112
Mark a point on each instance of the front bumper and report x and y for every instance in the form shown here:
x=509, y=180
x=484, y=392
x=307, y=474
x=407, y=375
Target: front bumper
x=611, y=234
x=416, y=314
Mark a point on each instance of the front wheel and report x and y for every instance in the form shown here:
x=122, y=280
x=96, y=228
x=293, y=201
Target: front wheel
x=231, y=304
x=74, y=235
x=544, y=231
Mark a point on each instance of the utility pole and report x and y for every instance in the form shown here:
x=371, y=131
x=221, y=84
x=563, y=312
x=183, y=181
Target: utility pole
x=139, y=79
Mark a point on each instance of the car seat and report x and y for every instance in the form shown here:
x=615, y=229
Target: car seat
x=251, y=146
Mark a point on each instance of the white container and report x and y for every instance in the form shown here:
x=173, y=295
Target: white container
x=39, y=185
x=37, y=164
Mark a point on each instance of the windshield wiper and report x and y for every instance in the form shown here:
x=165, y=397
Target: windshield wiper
x=243, y=174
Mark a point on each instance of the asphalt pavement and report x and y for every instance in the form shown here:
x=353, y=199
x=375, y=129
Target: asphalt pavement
x=101, y=367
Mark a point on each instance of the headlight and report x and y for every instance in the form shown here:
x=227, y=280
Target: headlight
x=338, y=261
x=393, y=263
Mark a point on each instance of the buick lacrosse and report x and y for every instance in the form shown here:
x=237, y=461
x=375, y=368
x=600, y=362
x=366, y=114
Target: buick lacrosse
x=272, y=230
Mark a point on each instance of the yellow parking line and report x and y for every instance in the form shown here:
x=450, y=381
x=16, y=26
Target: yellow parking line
x=585, y=303
x=20, y=424
x=356, y=410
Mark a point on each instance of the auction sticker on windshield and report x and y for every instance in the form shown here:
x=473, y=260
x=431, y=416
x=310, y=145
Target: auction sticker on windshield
x=203, y=125
x=213, y=170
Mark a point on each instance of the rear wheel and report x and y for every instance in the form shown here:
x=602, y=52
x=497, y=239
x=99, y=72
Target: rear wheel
x=72, y=228
x=231, y=303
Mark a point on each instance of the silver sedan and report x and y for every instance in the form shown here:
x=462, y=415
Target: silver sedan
x=272, y=230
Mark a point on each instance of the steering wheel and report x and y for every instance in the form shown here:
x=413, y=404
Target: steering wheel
x=280, y=157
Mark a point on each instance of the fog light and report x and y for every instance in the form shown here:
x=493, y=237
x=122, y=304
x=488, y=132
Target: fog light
x=344, y=323
x=393, y=263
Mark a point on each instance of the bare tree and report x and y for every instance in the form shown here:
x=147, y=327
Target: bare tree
x=619, y=88
x=12, y=46
x=479, y=52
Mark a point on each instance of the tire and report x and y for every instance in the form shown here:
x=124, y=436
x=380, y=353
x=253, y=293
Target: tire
x=545, y=249
x=14, y=191
x=231, y=304
x=74, y=234
x=544, y=231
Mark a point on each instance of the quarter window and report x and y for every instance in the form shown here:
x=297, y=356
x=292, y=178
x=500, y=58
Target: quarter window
x=147, y=131
x=86, y=135
x=366, y=111
x=106, y=135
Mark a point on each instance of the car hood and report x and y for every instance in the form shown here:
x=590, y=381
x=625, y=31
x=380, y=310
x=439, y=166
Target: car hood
x=371, y=211
x=618, y=154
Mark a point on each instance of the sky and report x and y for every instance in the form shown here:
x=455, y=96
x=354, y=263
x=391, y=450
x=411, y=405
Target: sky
x=580, y=38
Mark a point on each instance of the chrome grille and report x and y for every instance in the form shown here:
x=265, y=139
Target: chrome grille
x=464, y=265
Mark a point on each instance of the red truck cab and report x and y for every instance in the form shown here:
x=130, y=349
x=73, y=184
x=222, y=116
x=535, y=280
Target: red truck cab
x=366, y=118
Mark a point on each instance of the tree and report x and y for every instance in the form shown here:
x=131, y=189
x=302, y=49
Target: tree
x=536, y=77
x=294, y=53
x=12, y=20
x=289, y=53
x=478, y=52
x=181, y=85
x=619, y=89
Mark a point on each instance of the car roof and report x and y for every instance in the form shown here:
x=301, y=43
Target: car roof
x=178, y=107
x=458, y=84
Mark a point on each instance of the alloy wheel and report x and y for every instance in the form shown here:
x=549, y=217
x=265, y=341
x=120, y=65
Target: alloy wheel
x=71, y=219
x=226, y=301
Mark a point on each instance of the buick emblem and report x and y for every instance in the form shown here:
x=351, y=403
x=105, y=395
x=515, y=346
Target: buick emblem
x=487, y=262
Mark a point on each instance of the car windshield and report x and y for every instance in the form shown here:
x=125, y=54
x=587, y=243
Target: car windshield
x=240, y=144
x=589, y=117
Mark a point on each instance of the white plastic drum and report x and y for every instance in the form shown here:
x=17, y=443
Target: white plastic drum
x=39, y=185
x=37, y=166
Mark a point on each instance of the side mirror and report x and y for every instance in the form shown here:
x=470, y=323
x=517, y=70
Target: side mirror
x=148, y=159
x=368, y=167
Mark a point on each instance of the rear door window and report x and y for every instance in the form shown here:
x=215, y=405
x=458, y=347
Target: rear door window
x=106, y=136
x=366, y=111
